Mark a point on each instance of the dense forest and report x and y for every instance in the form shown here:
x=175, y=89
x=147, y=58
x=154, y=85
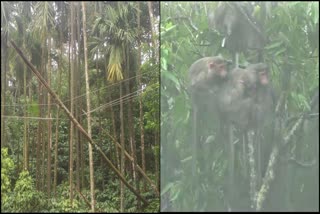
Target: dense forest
x=80, y=106
x=222, y=175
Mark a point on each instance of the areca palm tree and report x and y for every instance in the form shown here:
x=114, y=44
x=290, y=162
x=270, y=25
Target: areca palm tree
x=118, y=36
x=117, y=43
x=42, y=26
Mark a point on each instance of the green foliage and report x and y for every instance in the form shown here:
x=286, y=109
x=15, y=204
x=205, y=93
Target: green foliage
x=153, y=207
x=7, y=169
x=113, y=40
x=64, y=205
x=25, y=197
x=62, y=202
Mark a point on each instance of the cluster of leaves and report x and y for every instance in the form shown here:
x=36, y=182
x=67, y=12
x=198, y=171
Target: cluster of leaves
x=7, y=169
x=24, y=197
x=61, y=203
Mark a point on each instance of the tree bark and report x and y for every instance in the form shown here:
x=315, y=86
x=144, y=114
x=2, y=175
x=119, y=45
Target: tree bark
x=88, y=106
x=122, y=205
x=71, y=103
x=49, y=123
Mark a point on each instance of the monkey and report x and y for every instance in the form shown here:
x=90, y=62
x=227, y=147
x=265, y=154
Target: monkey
x=207, y=71
x=263, y=94
x=239, y=96
x=206, y=76
x=235, y=21
x=236, y=96
x=231, y=101
x=262, y=117
x=245, y=101
x=240, y=29
x=247, y=96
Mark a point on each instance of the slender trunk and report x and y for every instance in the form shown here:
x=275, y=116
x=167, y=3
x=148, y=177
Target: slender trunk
x=88, y=107
x=78, y=102
x=141, y=122
x=114, y=132
x=71, y=102
x=139, y=64
x=43, y=146
x=157, y=158
x=31, y=148
x=82, y=162
x=122, y=206
x=3, y=85
x=130, y=125
x=58, y=115
x=153, y=40
x=56, y=153
x=49, y=122
x=38, y=161
x=25, y=132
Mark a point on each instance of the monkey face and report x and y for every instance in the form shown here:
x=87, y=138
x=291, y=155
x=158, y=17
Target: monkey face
x=263, y=77
x=217, y=69
x=222, y=71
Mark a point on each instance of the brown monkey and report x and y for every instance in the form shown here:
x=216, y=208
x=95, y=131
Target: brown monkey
x=246, y=100
x=206, y=76
x=261, y=117
x=207, y=71
x=234, y=103
x=236, y=96
x=263, y=94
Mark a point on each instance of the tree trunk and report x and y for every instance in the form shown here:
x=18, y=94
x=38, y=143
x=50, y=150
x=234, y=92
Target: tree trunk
x=49, y=123
x=122, y=205
x=130, y=125
x=157, y=158
x=58, y=115
x=3, y=85
x=25, y=131
x=71, y=102
x=88, y=107
x=153, y=40
x=78, y=102
x=39, y=130
x=114, y=132
x=143, y=158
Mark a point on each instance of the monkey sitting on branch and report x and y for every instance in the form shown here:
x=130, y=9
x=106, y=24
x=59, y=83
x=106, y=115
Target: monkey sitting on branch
x=242, y=97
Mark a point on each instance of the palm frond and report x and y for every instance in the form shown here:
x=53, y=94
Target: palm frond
x=115, y=61
x=44, y=18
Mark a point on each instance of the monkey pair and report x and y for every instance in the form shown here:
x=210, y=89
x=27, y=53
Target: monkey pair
x=242, y=96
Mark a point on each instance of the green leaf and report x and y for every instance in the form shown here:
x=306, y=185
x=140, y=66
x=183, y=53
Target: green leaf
x=274, y=45
x=166, y=188
x=165, y=31
x=170, y=76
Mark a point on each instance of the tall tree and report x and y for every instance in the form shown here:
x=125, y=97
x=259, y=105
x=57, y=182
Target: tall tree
x=88, y=106
x=132, y=139
x=71, y=86
x=59, y=73
x=5, y=15
x=153, y=35
x=143, y=158
x=49, y=122
x=122, y=159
